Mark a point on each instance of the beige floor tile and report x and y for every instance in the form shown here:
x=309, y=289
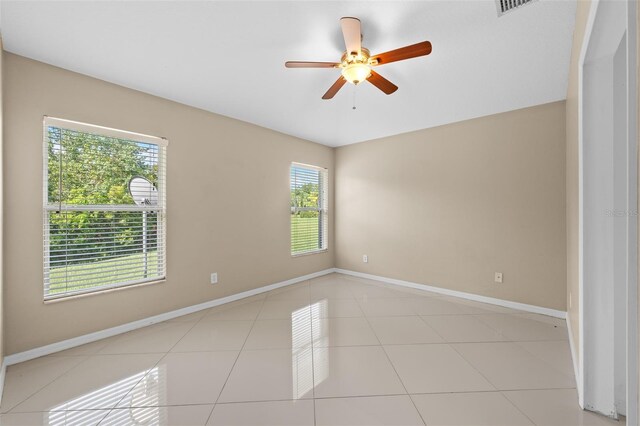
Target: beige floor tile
x=522, y=328
x=376, y=291
x=152, y=339
x=543, y=318
x=183, y=378
x=469, y=409
x=336, y=308
x=405, y=291
x=329, y=279
x=357, y=280
x=194, y=317
x=331, y=291
x=508, y=366
x=386, y=307
x=87, y=349
x=274, y=334
x=435, y=368
x=271, y=413
x=473, y=307
x=214, y=336
x=557, y=353
x=367, y=411
x=437, y=306
x=284, y=309
x=292, y=292
x=99, y=382
x=185, y=415
x=29, y=419
x=418, y=292
x=55, y=418
x=270, y=374
x=556, y=407
x=403, y=330
x=25, y=379
x=354, y=371
x=463, y=328
x=343, y=332
x=245, y=311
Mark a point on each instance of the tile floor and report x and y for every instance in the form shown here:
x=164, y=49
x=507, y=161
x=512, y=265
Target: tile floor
x=335, y=350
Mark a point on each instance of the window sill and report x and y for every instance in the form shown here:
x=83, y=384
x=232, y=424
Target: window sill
x=99, y=292
x=310, y=253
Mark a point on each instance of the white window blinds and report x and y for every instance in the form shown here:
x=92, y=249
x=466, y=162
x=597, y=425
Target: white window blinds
x=104, y=208
x=309, y=185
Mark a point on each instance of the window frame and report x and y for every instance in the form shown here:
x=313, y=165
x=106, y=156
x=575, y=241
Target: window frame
x=322, y=209
x=47, y=206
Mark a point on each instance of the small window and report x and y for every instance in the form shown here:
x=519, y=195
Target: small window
x=309, y=185
x=104, y=208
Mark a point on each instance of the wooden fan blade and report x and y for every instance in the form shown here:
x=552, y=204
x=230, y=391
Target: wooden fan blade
x=303, y=64
x=382, y=83
x=351, y=33
x=334, y=88
x=407, y=52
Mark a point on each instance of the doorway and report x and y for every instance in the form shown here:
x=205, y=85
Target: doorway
x=608, y=212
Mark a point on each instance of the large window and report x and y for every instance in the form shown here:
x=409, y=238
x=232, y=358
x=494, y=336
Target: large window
x=308, y=209
x=104, y=208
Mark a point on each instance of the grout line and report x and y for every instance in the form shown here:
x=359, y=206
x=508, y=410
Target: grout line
x=473, y=366
x=149, y=370
x=168, y=352
x=48, y=383
x=502, y=391
x=394, y=368
x=313, y=365
x=517, y=408
x=264, y=299
x=434, y=329
x=352, y=346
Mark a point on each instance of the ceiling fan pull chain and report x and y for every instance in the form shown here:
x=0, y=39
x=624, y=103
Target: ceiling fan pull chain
x=354, y=96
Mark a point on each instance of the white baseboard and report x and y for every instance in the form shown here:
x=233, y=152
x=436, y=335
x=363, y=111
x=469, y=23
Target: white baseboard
x=92, y=337
x=124, y=328
x=469, y=296
x=575, y=360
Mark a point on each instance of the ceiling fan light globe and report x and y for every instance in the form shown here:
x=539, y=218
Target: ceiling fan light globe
x=356, y=73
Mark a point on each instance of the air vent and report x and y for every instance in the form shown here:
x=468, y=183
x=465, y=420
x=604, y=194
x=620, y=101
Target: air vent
x=505, y=6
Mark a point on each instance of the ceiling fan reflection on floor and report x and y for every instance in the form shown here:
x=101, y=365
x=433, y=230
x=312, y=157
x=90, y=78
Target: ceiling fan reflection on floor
x=357, y=62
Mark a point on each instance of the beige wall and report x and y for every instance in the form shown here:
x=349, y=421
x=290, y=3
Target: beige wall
x=227, y=192
x=451, y=205
x=447, y=206
x=573, y=291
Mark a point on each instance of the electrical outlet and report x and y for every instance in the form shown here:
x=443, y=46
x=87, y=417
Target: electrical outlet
x=498, y=277
x=365, y=258
x=214, y=278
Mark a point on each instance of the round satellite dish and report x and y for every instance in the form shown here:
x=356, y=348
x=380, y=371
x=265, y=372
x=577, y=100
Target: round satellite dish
x=143, y=192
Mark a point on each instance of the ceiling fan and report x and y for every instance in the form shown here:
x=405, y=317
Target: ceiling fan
x=357, y=62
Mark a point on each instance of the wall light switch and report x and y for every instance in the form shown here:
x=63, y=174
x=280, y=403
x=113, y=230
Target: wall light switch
x=498, y=277
x=214, y=278
x=365, y=258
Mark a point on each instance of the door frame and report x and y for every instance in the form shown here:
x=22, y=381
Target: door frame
x=596, y=281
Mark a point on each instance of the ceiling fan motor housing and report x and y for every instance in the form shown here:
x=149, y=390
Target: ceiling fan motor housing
x=355, y=65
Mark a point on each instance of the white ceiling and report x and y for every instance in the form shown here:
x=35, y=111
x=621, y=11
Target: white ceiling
x=228, y=57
